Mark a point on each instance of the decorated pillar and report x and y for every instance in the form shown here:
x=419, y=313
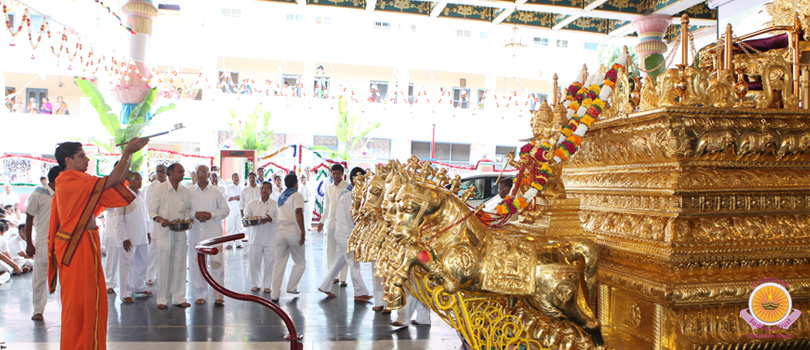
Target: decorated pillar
x=133, y=87
x=651, y=47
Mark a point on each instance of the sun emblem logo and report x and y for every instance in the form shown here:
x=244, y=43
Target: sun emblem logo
x=770, y=305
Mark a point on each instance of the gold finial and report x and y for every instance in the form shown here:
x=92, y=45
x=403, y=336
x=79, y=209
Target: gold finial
x=685, y=39
x=555, y=87
x=727, y=51
x=584, y=73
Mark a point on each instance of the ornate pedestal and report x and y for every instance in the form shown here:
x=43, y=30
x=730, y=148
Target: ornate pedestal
x=690, y=207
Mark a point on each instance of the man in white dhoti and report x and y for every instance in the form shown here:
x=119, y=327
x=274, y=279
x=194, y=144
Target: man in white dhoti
x=249, y=193
x=262, y=244
x=169, y=202
x=343, y=229
x=110, y=241
x=233, y=224
x=133, y=242
x=152, y=268
x=309, y=200
x=38, y=217
x=330, y=198
x=406, y=312
x=290, y=238
x=209, y=208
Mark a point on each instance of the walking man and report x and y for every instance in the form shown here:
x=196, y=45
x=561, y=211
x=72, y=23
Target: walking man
x=290, y=238
x=330, y=198
x=133, y=243
x=262, y=244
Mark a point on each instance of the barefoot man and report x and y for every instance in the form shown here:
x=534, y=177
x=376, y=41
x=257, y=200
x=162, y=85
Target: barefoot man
x=73, y=242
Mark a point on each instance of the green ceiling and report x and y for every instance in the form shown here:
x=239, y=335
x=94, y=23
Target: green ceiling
x=603, y=19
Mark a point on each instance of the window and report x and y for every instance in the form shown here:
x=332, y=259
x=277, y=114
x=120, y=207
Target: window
x=462, y=33
x=461, y=97
x=36, y=22
x=481, y=94
x=591, y=46
x=229, y=82
x=541, y=41
x=382, y=25
x=290, y=85
x=378, y=91
x=323, y=20
x=231, y=13
x=501, y=152
x=453, y=153
x=562, y=43
x=479, y=184
x=294, y=17
x=413, y=28
x=322, y=85
x=410, y=93
x=537, y=100
x=330, y=142
x=483, y=35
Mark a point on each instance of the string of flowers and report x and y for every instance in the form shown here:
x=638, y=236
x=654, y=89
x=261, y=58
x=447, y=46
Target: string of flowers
x=584, y=103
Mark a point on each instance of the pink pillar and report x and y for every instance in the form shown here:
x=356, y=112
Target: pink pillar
x=651, y=30
x=140, y=14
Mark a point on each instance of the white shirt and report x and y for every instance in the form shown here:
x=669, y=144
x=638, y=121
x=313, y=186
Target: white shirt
x=132, y=222
x=343, y=217
x=248, y=195
x=233, y=190
x=147, y=194
x=210, y=200
x=168, y=203
x=16, y=245
x=286, y=217
x=4, y=245
x=9, y=198
x=265, y=233
x=330, y=201
x=305, y=191
x=39, y=206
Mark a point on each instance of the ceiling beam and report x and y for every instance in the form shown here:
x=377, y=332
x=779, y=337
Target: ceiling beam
x=301, y=2
x=437, y=9
x=371, y=5
x=503, y=15
x=565, y=21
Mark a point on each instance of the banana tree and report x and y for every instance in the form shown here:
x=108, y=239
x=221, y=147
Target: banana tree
x=252, y=132
x=348, y=132
x=130, y=125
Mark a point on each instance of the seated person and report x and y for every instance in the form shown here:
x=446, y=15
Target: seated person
x=503, y=190
x=8, y=264
x=17, y=245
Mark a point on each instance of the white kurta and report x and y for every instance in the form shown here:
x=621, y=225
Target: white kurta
x=206, y=200
x=343, y=229
x=109, y=241
x=233, y=224
x=262, y=251
x=132, y=224
x=248, y=195
x=39, y=206
x=152, y=265
x=309, y=201
x=288, y=233
x=331, y=195
x=171, y=204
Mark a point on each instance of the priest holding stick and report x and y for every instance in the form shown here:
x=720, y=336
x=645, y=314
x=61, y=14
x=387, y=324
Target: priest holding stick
x=73, y=242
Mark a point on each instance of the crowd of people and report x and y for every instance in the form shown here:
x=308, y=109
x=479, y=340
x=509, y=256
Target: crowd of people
x=44, y=106
x=143, y=247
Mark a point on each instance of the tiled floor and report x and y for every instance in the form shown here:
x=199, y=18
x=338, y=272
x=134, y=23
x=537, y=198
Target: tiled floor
x=325, y=323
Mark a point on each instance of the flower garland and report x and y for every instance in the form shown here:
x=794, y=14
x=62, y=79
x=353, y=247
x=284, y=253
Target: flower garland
x=583, y=105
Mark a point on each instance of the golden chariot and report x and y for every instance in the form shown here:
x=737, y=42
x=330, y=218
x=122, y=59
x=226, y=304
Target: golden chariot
x=650, y=233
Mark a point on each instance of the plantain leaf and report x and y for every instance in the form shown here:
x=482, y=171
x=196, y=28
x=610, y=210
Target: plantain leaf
x=161, y=110
x=108, y=119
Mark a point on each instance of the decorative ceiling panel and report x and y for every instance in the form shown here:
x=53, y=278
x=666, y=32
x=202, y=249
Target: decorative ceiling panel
x=537, y=19
x=469, y=12
x=360, y=4
x=595, y=25
x=405, y=6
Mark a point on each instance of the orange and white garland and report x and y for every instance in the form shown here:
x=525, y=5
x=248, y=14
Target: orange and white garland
x=583, y=105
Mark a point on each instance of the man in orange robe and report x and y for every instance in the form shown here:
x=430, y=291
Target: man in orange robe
x=74, y=253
